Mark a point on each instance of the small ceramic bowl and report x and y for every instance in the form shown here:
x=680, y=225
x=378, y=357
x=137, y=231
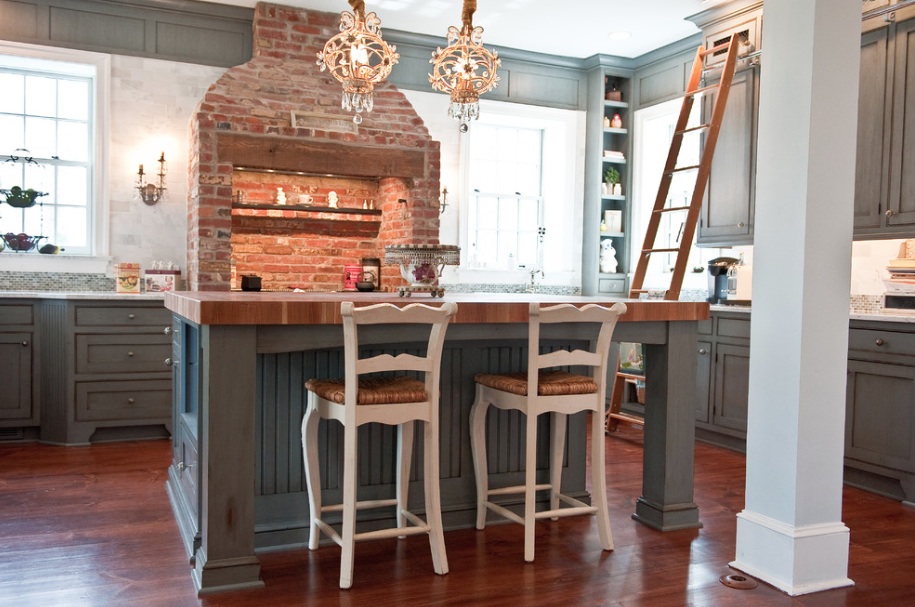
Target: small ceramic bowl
x=365, y=286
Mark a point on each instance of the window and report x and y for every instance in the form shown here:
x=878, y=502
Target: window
x=48, y=143
x=505, y=203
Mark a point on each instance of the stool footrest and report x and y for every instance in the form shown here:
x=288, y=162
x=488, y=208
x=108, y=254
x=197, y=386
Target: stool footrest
x=363, y=505
x=516, y=489
x=420, y=527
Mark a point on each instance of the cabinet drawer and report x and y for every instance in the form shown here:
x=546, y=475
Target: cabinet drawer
x=122, y=353
x=734, y=327
x=881, y=342
x=704, y=327
x=122, y=316
x=123, y=400
x=187, y=468
x=611, y=285
x=16, y=314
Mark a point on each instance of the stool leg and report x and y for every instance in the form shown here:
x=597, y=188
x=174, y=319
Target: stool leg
x=558, y=423
x=599, y=480
x=312, y=470
x=433, y=497
x=404, y=461
x=530, y=481
x=350, y=481
x=478, y=451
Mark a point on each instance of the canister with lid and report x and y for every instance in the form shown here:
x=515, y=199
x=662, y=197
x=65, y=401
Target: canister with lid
x=372, y=265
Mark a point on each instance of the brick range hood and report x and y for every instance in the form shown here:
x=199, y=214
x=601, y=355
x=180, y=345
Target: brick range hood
x=276, y=122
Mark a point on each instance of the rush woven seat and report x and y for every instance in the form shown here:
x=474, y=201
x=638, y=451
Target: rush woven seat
x=559, y=394
x=549, y=383
x=372, y=390
x=395, y=400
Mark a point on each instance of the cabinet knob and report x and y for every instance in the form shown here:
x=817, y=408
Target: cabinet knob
x=131, y=316
x=879, y=342
x=167, y=330
x=25, y=343
x=130, y=354
x=889, y=213
x=703, y=351
x=168, y=362
x=130, y=401
x=741, y=224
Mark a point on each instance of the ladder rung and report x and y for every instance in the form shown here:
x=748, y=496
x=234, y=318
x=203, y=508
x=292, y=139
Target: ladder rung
x=717, y=48
x=693, y=128
x=660, y=250
x=697, y=92
x=625, y=375
x=625, y=417
x=691, y=167
x=671, y=209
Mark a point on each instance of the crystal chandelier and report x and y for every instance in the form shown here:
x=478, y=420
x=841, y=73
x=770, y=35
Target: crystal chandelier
x=464, y=69
x=358, y=58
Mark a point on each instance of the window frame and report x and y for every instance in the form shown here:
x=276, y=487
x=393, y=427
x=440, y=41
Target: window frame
x=69, y=61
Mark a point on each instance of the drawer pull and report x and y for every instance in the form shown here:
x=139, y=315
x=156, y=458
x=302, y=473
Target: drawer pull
x=167, y=330
x=130, y=354
x=879, y=342
x=131, y=316
x=703, y=351
x=130, y=401
x=168, y=362
x=181, y=466
x=25, y=343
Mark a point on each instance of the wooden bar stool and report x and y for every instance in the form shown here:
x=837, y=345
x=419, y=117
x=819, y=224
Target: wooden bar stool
x=559, y=393
x=387, y=399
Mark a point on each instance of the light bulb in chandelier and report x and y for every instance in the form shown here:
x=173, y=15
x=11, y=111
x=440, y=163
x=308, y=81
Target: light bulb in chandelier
x=464, y=69
x=358, y=58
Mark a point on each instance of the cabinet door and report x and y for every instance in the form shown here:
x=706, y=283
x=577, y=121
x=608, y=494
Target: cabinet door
x=16, y=371
x=727, y=210
x=732, y=385
x=871, y=181
x=880, y=414
x=901, y=209
x=703, y=379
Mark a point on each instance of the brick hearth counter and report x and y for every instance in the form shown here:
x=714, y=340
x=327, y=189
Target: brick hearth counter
x=239, y=361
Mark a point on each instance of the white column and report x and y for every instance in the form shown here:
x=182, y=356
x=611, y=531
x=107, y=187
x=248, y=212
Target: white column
x=790, y=533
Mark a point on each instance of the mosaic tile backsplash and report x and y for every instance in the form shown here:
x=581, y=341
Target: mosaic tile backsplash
x=54, y=281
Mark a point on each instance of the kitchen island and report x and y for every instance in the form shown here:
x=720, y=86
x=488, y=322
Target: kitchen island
x=239, y=361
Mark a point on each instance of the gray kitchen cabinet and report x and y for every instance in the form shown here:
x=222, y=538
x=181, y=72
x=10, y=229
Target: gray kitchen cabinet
x=880, y=408
x=110, y=380
x=703, y=379
x=885, y=173
x=732, y=377
x=19, y=397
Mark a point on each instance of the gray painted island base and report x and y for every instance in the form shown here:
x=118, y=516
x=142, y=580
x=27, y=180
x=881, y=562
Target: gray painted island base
x=239, y=360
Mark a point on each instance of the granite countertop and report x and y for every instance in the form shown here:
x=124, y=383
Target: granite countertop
x=884, y=316
x=97, y=295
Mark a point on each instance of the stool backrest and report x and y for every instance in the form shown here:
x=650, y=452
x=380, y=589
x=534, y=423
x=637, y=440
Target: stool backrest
x=597, y=355
x=437, y=319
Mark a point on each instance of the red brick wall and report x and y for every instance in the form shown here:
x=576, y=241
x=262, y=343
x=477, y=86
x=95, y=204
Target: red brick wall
x=296, y=248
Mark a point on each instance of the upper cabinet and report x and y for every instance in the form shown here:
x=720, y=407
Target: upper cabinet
x=728, y=206
x=885, y=174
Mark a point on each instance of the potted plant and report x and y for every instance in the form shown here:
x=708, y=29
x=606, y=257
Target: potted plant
x=612, y=177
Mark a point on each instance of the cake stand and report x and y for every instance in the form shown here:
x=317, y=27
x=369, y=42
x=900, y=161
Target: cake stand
x=421, y=265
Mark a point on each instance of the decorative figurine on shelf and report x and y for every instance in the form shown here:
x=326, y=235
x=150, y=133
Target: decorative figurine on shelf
x=608, y=261
x=606, y=122
x=617, y=122
x=280, y=196
x=332, y=199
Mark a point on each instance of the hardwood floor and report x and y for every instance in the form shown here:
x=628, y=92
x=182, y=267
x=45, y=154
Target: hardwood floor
x=91, y=527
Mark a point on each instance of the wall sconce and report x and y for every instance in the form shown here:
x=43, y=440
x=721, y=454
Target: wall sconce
x=151, y=192
x=443, y=202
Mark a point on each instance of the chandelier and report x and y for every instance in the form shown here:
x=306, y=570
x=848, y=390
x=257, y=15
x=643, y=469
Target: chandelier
x=358, y=58
x=464, y=69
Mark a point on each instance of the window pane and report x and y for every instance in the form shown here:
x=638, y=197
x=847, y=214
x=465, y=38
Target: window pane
x=72, y=227
x=10, y=175
x=12, y=128
x=73, y=99
x=508, y=247
x=13, y=87
x=40, y=96
x=34, y=224
x=508, y=214
x=41, y=137
x=487, y=251
x=72, y=185
x=73, y=141
x=36, y=177
x=527, y=252
x=487, y=212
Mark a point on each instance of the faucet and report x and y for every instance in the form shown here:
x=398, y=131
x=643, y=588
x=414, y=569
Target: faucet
x=534, y=287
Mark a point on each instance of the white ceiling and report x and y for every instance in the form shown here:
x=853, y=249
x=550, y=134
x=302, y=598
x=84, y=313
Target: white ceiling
x=573, y=28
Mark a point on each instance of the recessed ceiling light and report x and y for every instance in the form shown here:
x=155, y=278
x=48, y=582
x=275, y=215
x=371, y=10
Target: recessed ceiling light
x=619, y=35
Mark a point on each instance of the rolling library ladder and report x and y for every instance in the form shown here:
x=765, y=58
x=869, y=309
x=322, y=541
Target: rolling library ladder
x=693, y=91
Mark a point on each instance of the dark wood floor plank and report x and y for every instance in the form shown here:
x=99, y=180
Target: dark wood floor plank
x=91, y=527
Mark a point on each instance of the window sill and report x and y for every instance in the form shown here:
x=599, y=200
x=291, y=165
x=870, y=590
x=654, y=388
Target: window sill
x=68, y=264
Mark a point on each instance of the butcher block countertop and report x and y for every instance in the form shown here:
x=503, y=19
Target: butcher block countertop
x=272, y=308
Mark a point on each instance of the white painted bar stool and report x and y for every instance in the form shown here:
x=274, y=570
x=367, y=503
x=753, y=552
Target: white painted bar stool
x=559, y=393
x=393, y=400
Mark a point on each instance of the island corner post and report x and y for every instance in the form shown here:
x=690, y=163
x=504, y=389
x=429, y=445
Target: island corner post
x=225, y=344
